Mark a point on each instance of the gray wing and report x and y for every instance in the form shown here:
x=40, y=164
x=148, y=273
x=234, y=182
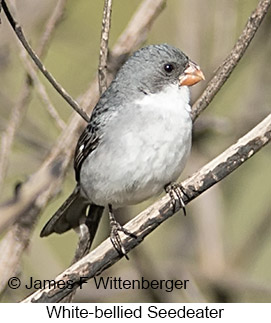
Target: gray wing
x=89, y=139
x=87, y=142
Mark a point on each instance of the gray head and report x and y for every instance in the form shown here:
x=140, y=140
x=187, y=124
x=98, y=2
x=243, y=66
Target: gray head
x=148, y=70
x=152, y=68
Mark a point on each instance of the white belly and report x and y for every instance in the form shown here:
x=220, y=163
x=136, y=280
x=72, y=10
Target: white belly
x=142, y=150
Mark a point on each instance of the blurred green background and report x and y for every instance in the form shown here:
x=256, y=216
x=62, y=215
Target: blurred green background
x=223, y=246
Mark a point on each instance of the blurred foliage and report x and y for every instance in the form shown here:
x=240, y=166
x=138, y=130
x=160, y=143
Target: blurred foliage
x=204, y=246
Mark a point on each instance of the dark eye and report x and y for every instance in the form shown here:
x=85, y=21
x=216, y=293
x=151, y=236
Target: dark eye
x=168, y=68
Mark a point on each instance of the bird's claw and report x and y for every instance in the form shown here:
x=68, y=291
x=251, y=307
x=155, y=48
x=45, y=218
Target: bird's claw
x=115, y=237
x=176, y=193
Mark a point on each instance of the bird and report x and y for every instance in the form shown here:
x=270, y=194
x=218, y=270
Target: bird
x=137, y=141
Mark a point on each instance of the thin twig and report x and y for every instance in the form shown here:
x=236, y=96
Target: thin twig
x=104, y=45
x=142, y=225
x=20, y=34
x=225, y=69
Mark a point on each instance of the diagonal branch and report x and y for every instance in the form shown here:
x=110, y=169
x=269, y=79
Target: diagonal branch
x=142, y=225
x=104, y=45
x=225, y=69
x=20, y=34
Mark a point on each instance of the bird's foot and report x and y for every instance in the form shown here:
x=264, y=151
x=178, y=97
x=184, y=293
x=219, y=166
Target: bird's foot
x=114, y=234
x=176, y=193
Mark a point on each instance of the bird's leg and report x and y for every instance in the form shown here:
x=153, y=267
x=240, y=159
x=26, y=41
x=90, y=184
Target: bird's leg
x=176, y=193
x=114, y=234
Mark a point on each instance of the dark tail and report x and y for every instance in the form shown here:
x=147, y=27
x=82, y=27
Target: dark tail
x=68, y=215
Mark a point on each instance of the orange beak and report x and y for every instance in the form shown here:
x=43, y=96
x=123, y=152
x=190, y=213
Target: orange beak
x=191, y=75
